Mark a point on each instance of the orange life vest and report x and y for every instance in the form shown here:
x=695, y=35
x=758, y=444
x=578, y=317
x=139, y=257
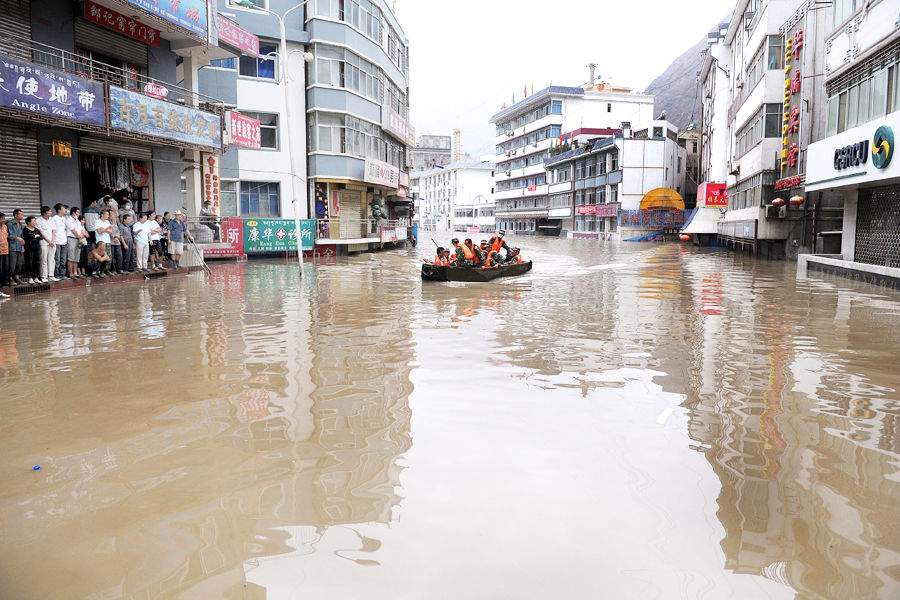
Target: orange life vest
x=467, y=251
x=496, y=244
x=515, y=260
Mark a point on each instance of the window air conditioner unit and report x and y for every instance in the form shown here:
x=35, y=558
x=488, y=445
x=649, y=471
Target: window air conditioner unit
x=775, y=212
x=508, y=172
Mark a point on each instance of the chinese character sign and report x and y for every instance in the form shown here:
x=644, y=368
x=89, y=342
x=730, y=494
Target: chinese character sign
x=234, y=35
x=232, y=240
x=277, y=235
x=714, y=194
x=118, y=22
x=381, y=173
x=793, y=84
x=33, y=88
x=137, y=113
x=190, y=14
x=245, y=131
x=211, y=180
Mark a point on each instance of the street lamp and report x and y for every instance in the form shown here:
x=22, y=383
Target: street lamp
x=288, y=115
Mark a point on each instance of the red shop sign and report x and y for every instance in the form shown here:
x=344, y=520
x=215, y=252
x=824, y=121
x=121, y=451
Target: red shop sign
x=245, y=131
x=587, y=210
x=118, y=22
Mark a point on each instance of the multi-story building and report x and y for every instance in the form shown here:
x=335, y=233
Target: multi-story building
x=853, y=161
x=628, y=184
x=756, y=99
x=475, y=215
x=528, y=129
x=350, y=128
x=358, y=112
x=90, y=101
x=440, y=190
x=430, y=151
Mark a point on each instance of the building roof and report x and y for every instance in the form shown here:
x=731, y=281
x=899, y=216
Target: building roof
x=570, y=154
x=455, y=166
x=547, y=91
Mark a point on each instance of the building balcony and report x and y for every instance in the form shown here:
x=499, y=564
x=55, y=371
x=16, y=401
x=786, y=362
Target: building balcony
x=529, y=128
x=146, y=109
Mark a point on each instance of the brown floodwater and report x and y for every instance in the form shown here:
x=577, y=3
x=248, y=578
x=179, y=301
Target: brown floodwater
x=625, y=421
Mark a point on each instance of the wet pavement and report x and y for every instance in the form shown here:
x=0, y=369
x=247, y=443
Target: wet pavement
x=625, y=421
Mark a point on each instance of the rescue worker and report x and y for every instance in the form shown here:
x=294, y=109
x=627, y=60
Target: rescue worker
x=450, y=260
x=478, y=260
x=439, y=259
x=497, y=242
x=494, y=259
x=514, y=258
x=464, y=255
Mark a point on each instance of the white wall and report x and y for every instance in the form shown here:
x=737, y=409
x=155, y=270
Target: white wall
x=262, y=95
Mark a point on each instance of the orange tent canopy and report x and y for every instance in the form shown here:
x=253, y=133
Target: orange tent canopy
x=662, y=198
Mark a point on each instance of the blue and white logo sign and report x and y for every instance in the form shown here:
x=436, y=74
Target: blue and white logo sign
x=138, y=113
x=190, y=14
x=37, y=89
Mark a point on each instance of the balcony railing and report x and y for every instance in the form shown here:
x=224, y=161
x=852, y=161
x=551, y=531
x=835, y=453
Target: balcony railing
x=88, y=68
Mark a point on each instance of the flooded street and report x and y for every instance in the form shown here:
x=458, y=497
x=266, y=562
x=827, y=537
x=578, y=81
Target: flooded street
x=625, y=421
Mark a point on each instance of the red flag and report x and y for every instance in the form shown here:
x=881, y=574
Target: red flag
x=525, y=91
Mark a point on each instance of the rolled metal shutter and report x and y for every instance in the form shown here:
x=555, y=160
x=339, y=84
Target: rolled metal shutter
x=15, y=21
x=104, y=147
x=106, y=42
x=20, y=185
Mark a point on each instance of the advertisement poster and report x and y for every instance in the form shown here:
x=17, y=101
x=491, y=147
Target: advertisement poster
x=233, y=236
x=190, y=14
x=382, y=173
x=111, y=19
x=234, y=35
x=138, y=113
x=277, y=235
x=245, y=131
x=44, y=91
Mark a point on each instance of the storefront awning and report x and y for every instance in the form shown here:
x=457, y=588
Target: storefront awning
x=703, y=221
x=662, y=198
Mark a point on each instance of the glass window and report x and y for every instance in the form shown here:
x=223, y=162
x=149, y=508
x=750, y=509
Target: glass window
x=259, y=199
x=556, y=107
x=223, y=63
x=268, y=130
x=773, y=120
x=842, y=112
x=261, y=67
x=775, y=58
x=878, y=94
x=832, y=116
x=853, y=106
x=228, y=197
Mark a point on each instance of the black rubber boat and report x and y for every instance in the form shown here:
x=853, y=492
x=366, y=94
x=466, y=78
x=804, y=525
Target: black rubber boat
x=440, y=273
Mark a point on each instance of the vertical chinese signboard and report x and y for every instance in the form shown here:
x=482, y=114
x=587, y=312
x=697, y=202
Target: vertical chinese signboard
x=37, y=89
x=211, y=180
x=790, y=126
x=277, y=235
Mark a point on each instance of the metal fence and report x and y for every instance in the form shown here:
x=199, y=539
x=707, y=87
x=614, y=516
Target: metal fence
x=878, y=227
x=662, y=218
x=205, y=230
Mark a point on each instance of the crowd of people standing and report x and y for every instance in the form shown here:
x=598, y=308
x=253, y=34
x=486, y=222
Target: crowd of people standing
x=105, y=239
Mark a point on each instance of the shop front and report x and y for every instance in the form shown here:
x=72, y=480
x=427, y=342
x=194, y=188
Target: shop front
x=859, y=165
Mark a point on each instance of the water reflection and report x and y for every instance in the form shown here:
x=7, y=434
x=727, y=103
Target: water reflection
x=251, y=434
x=182, y=428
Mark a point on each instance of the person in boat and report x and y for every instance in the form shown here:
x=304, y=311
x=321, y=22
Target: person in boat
x=440, y=258
x=450, y=260
x=496, y=242
x=478, y=260
x=494, y=259
x=514, y=257
x=464, y=255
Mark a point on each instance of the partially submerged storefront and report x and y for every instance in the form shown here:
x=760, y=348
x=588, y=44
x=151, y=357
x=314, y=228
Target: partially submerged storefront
x=860, y=164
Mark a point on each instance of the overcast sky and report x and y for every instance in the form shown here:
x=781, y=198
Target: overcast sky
x=468, y=57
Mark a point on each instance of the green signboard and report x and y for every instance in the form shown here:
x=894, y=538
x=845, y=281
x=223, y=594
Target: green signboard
x=277, y=235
